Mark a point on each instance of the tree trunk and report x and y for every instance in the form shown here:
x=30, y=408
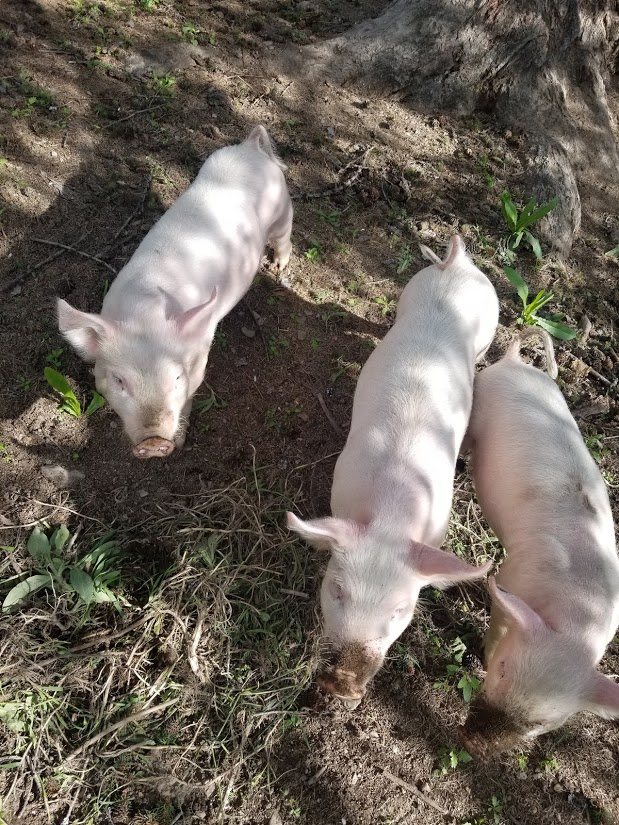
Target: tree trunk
x=545, y=66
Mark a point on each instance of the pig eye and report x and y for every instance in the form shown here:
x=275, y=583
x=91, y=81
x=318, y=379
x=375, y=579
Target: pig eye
x=337, y=590
x=118, y=381
x=398, y=612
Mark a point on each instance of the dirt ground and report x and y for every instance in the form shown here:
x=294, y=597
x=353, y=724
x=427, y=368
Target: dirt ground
x=107, y=110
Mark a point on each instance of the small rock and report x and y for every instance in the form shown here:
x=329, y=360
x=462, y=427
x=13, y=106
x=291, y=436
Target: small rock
x=241, y=362
x=301, y=334
x=248, y=332
x=304, y=416
x=142, y=493
x=60, y=476
x=16, y=291
x=426, y=787
x=275, y=818
x=284, y=280
x=354, y=779
x=113, y=425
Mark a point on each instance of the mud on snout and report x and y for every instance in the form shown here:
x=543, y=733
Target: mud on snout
x=490, y=730
x=348, y=670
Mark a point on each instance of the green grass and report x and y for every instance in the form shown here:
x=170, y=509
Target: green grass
x=196, y=675
x=70, y=403
x=530, y=309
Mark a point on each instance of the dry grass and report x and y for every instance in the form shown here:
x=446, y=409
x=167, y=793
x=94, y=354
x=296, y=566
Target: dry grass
x=179, y=690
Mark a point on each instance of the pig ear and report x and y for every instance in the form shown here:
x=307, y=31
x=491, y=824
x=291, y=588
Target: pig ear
x=197, y=322
x=604, y=697
x=515, y=609
x=83, y=330
x=325, y=533
x=440, y=567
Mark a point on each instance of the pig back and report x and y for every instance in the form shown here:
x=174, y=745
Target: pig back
x=535, y=479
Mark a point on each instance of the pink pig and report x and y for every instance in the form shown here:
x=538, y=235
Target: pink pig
x=151, y=342
x=555, y=600
x=393, y=483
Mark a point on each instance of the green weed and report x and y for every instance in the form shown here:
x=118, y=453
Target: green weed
x=190, y=33
x=518, y=223
x=53, y=357
x=70, y=403
x=386, y=305
x=312, y=254
x=88, y=579
x=495, y=809
x=468, y=684
x=530, y=309
x=4, y=453
x=450, y=759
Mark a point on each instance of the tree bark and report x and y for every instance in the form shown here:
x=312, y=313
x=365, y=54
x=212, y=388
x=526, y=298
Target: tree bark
x=544, y=66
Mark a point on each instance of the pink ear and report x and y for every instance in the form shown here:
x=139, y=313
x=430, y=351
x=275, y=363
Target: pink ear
x=604, y=697
x=197, y=321
x=515, y=609
x=440, y=567
x=83, y=330
x=326, y=533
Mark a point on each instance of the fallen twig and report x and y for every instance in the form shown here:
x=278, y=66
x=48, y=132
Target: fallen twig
x=336, y=427
x=133, y=114
x=139, y=207
x=76, y=251
x=601, y=378
x=128, y=720
x=256, y=318
x=17, y=281
x=415, y=791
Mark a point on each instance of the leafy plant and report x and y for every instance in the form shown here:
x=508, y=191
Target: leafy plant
x=190, y=33
x=312, y=254
x=529, y=315
x=467, y=683
x=89, y=578
x=405, y=259
x=386, y=305
x=4, y=452
x=53, y=357
x=70, y=403
x=449, y=759
x=518, y=223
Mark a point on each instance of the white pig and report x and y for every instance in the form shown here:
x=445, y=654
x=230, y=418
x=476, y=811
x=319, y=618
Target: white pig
x=393, y=483
x=150, y=344
x=555, y=600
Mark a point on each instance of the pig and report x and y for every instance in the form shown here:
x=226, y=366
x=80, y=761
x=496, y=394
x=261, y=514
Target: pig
x=393, y=483
x=555, y=599
x=151, y=341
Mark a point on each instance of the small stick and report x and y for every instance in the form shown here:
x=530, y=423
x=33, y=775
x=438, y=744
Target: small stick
x=138, y=208
x=298, y=593
x=16, y=281
x=128, y=720
x=255, y=317
x=133, y=114
x=330, y=419
x=76, y=252
x=415, y=791
x=592, y=371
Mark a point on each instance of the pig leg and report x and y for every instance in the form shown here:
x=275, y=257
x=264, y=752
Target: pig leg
x=181, y=433
x=279, y=238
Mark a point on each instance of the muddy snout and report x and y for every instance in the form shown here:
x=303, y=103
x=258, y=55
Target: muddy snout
x=490, y=730
x=348, y=671
x=154, y=447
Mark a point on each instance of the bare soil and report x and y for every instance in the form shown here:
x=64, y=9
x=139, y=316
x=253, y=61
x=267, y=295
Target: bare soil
x=107, y=111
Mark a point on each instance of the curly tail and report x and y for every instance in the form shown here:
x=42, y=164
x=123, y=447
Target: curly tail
x=513, y=351
x=259, y=138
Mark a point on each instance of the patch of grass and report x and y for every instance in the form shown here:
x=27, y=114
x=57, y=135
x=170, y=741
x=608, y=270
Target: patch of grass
x=405, y=259
x=519, y=221
x=203, y=670
x=4, y=453
x=495, y=810
x=70, y=403
x=548, y=763
x=163, y=86
x=530, y=309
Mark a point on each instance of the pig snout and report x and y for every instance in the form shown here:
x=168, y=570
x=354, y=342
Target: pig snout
x=490, y=730
x=154, y=447
x=348, y=671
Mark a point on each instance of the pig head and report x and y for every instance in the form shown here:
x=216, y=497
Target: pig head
x=369, y=594
x=536, y=679
x=148, y=373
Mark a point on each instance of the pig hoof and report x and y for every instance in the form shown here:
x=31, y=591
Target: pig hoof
x=154, y=447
